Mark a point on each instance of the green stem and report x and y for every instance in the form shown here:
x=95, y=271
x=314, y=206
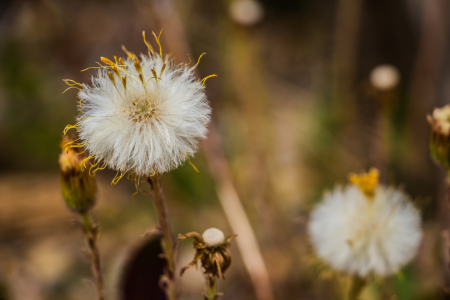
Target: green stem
x=211, y=293
x=356, y=288
x=166, y=239
x=447, y=192
x=91, y=233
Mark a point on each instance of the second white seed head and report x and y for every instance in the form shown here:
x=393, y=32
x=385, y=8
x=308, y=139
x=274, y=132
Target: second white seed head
x=213, y=237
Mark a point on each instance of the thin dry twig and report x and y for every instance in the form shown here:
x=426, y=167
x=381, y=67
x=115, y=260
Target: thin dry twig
x=91, y=230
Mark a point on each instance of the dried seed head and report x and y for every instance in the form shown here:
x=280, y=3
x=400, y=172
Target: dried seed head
x=142, y=116
x=212, y=250
x=213, y=237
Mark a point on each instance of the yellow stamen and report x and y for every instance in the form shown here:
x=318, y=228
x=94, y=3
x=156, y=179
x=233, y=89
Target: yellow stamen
x=117, y=178
x=69, y=127
x=122, y=63
x=73, y=144
x=93, y=166
x=196, y=170
x=137, y=65
x=157, y=40
x=131, y=55
x=195, y=66
x=150, y=48
x=92, y=68
x=367, y=182
x=74, y=85
x=124, y=82
x=116, y=70
x=154, y=74
x=111, y=76
x=162, y=69
x=106, y=61
x=84, y=161
x=98, y=169
x=204, y=79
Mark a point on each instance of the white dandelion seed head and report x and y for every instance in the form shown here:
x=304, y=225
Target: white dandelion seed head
x=213, y=237
x=144, y=126
x=358, y=234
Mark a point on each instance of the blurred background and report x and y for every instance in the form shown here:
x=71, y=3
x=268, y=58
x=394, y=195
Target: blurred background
x=307, y=91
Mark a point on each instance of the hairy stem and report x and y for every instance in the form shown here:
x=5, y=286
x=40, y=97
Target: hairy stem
x=91, y=233
x=356, y=288
x=166, y=238
x=211, y=293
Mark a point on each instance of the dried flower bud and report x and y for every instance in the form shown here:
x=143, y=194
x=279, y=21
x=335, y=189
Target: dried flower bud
x=78, y=187
x=212, y=250
x=440, y=135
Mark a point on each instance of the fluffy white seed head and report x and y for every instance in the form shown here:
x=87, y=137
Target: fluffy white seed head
x=358, y=234
x=384, y=77
x=144, y=125
x=213, y=237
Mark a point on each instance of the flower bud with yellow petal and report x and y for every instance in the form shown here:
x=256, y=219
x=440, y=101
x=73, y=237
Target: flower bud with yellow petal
x=78, y=187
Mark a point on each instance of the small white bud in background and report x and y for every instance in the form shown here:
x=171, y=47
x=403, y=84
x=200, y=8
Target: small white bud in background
x=213, y=237
x=440, y=119
x=384, y=77
x=246, y=12
x=440, y=132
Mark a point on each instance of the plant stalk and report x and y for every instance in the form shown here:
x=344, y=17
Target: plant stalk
x=91, y=233
x=211, y=292
x=356, y=288
x=166, y=238
x=447, y=192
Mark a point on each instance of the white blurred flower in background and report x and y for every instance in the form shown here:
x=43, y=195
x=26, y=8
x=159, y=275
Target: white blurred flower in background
x=366, y=228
